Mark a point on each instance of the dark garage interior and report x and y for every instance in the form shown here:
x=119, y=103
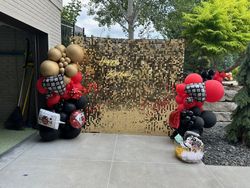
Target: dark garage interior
x=22, y=48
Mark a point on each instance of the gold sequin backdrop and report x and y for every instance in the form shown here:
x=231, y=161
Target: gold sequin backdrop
x=135, y=81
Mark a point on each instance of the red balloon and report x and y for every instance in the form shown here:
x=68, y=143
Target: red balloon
x=77, y=119
x=54, y=99
x=193, y=78
x=199, y=104
x=179, y=99
x=180, y=88
x=77, y=78
x=78, y=86
x=40, y=87
x=214, y=90
x=180, y=107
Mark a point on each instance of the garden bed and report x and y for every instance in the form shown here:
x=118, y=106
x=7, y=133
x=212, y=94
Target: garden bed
x=219, y=152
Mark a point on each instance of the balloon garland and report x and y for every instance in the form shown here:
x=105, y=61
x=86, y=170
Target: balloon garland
x=61, y=82
x=189, y=119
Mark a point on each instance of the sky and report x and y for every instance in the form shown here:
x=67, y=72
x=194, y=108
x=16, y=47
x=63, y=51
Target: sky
x=92, y=28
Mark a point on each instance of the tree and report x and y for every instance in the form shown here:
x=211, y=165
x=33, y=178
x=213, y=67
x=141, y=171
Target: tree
x=171, y=25
x=239, y=129
x=71, y=11
x=217, y=28
x=129, y=14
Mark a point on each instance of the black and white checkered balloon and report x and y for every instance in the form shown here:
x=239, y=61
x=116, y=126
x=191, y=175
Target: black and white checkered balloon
x=196, y=91
x=55, y=84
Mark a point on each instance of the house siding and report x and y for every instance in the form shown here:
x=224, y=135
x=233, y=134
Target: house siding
x=44, y=15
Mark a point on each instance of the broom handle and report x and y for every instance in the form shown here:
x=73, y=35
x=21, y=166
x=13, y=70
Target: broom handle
x=24, y=73
x=28, y=92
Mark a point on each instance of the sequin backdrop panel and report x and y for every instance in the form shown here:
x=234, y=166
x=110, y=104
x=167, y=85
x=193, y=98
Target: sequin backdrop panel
x=135, y=80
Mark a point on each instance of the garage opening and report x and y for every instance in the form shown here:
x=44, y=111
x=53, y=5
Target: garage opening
x=22, y=48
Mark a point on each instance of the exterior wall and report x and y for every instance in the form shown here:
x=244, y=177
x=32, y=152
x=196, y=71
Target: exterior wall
x=44, y=15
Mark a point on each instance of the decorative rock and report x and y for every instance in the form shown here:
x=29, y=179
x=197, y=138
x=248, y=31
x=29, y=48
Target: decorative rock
x=223, y=116
x=220, y=106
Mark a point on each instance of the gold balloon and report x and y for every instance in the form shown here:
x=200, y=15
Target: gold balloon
x=61, y=47
x=54, y=54
x=66, y=80
x=61, y=65
x=67, y=59
x=71, y=70
x=49, y=68
x=65, y=64
x=75, y=53
x=62, y=59
x=61, y=70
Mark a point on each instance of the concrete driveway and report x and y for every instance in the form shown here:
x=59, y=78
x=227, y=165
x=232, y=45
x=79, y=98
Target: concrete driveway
x=110, y=161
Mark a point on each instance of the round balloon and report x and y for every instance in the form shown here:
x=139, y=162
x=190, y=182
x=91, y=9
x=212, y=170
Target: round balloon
x=180, y=88
x=69, y=107
x=53, y=100
x=40, y=87
x=214, y=90
x=209, y=118
x=193, y=78
x=82, y=103
x=77, y=119
x=77, y=78
x=179, y=99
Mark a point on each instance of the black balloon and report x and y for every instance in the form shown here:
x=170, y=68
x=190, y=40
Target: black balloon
x=197, y=126
x=190, y=113
x=59, y=107
x=190, y=123
x=204, y=74
x=63, y=117
x=48, y=134
x=209, y=119
x=196, y=111
x=68, y=108
x=188, y=118
x=69, y=132
x=193, y=118
x=211, y=72
x=82, y=103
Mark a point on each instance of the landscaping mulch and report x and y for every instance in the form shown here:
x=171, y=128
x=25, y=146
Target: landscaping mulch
x=219, y=152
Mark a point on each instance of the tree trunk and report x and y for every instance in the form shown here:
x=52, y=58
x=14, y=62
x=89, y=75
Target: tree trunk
x=130, y=19
x=130, y=31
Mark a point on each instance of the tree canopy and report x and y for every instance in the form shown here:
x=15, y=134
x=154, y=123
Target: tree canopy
x=171, y=26
x=239, y=129
x=129, y=14
x=71, y=11
x=216, y=28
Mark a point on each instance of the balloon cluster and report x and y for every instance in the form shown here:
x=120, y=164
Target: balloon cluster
x=61, y=82
x=189, y=118
x=194, y=92
x=207, y=74
x=213, y=75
